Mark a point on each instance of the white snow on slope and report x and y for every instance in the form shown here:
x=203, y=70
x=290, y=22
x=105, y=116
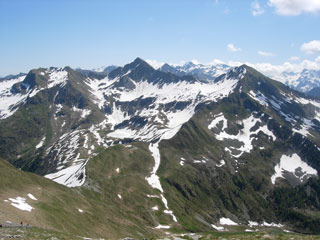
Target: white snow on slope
x=279, y=225
x=218, y=228
x=98, y=88
x=259, y=97
x=70, y=176
x=40, y=144
x=222, y=163
x=263, y=100
x=71, y=168
x=7, y=99
x=253, y=224
x=217, y=119
x=56, y=77
x=123, y=133
x=6, y=85
x=275, y=103
x=192, y=93
x=292, y=164
x=227, y=221
x=153, y=180
x=32, y=197
x=244, y=136
x=20, y=203
x=84, y=112
x=117, y=116
x=162, y=227
x=304, y=127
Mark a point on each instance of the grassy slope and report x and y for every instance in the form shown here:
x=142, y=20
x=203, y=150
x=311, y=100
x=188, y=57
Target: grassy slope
x=104, y=213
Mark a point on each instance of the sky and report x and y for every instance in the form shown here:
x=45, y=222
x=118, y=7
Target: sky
x=275, y=34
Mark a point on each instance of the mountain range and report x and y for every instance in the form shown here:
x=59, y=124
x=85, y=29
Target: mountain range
x=303, y=81
x=135, y=151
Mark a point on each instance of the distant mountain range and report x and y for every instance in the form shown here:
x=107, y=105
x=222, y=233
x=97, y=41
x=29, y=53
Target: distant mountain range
x=200, y=71
x=141, y=152
x=303, y=81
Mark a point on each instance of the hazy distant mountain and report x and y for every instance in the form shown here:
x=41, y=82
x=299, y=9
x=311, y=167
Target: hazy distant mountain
x=315, y=92
x=98, y=72
x=200, y=71
x=302, y=81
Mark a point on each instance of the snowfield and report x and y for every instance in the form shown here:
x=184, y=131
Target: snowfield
x=227, y=221
x=292, y=164
x=7, y=99
x=245, y=135
x=20, y=203
x=32, y=197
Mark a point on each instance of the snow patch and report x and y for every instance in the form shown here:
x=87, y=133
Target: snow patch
x=153, y=180
x=155, y=208
x=56, y=77
x=217, y=119
x=32, y=197
x=304, y=127
x=244, y=136
x=279, y=225
x=227, y=221
x=122, y=133
x=253, y=224
x=84, y=112
x=162, y=227
x=8, y=100
x=292, y=164
x=40, y=144
x=21, y=204
x=73, y=176
x=259, y=97
x=218, y=228
x=222, y=162
x=117, y=116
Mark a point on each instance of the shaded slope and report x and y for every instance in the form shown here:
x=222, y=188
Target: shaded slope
x=44, y=117
x=201, y=188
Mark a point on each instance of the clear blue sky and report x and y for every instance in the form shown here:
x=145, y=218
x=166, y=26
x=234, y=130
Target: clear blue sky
x=93, y=33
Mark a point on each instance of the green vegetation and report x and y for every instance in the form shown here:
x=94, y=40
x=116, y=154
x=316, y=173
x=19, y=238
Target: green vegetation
x=201, y=193
x=103, y=212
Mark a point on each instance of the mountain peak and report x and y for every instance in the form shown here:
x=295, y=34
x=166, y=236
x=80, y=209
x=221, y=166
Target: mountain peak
x=189, y=64
x=233, y=73
x=137, y=63
x=139, y=60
